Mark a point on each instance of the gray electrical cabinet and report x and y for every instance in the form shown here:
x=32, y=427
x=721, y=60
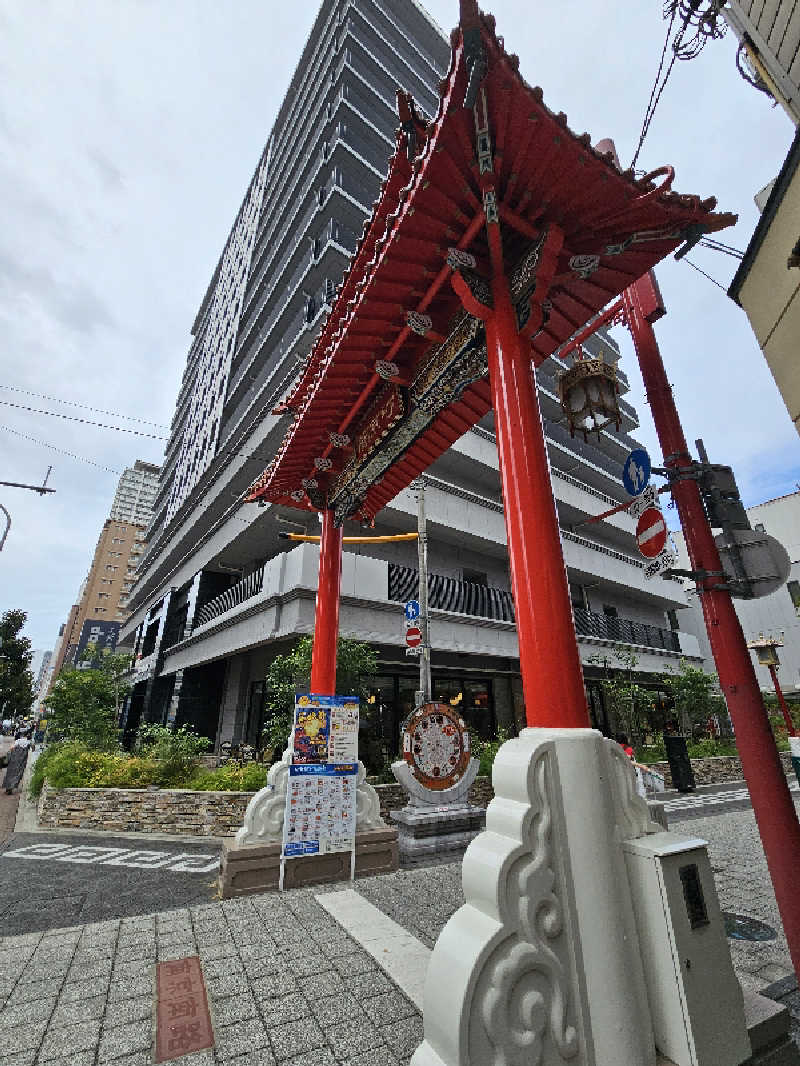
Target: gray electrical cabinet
x=695, y=998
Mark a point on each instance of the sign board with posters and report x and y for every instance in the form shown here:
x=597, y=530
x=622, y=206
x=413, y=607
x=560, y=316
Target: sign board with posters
x=320, y=814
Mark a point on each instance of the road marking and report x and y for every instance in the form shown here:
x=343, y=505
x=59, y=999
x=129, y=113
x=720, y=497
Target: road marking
x=399, y=954
x=715, y=799
x=185, y=862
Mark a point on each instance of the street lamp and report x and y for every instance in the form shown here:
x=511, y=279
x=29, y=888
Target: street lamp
x=589, y=395
x=766, y=649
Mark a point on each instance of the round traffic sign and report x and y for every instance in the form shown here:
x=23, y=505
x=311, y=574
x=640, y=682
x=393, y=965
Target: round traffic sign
x=651, y=532
x=636, y=471
x=413, y=636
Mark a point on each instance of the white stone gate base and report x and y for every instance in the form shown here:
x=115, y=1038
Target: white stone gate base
x=543, y=965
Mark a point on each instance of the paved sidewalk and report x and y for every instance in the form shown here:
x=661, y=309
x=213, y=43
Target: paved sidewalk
x=285, y=984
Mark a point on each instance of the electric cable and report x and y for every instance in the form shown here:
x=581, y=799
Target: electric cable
x=85, y=406
x=652, y=103
x=716, y=246
x=83, y=421
x=62, y=451
x=699, y=271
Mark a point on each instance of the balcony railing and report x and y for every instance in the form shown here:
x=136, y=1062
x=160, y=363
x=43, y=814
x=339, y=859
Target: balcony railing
x=450, y=594
x=243, y=590
x=484, y=601
x=624, y=631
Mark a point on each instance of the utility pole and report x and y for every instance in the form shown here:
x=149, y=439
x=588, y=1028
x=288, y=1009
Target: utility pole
x=761, y=767
x=424, y=618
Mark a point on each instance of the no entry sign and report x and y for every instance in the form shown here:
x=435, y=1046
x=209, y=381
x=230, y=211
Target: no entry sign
x=651, y=532
x=413, y=636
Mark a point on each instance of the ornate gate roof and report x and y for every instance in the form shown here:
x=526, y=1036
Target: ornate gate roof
x=399, y=370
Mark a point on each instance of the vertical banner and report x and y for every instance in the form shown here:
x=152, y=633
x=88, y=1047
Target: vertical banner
x=320, y=815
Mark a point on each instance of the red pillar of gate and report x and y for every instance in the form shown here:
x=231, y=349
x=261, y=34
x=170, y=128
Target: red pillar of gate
x=552, y=680
x=326, y=618
x=761, y=766
x=773, y=673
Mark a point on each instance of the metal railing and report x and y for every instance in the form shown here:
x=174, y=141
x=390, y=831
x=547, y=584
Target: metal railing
x=485, y=601
x=243, y=590
x=450, y=594
x=623, y=630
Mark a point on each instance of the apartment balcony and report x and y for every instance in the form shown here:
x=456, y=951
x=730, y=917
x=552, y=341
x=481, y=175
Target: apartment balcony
x=277, y=603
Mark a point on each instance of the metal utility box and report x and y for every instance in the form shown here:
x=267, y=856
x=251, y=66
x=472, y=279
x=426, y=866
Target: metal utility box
x=695, y=998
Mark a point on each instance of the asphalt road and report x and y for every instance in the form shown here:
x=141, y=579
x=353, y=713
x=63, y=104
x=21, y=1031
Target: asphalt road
x=49, y=880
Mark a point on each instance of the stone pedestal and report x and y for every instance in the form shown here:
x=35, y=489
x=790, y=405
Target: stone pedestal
x=544, y=964
x=251, y=863
x=422, y=833
x=433, y=822
x=256, y=867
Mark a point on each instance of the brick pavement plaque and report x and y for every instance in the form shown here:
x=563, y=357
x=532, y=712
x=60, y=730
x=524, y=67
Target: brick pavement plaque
x=183, y=1023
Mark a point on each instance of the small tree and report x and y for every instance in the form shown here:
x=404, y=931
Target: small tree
x=695, y=695
x=16, y=679
x=356, y=664
x=630, y=703
x=83, y=709
x=115, y=666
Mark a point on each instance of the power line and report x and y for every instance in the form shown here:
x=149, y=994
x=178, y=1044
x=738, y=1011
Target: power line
x=699, y=271
x=83, y=421
x=62, y=451
x=718, y=246
x=85, y=406
x=655, y=92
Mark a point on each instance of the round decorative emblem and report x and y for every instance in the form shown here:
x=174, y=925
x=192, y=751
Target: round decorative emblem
x=436, y=745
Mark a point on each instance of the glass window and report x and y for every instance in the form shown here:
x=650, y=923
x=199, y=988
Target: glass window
x=794, y=592
x=475, y=577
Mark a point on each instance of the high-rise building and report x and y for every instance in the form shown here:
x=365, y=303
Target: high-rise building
x=217, y=595
x=103, y=596
x=136, y=493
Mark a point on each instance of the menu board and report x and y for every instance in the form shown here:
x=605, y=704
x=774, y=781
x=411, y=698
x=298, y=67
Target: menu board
x=320, y=815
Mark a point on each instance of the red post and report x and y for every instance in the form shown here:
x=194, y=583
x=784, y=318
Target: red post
x=773, y=673
x=763, y=773
x=552, y=680
x=326, y=618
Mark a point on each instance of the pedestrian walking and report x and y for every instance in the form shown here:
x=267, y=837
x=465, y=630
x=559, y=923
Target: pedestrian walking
x=17, y=758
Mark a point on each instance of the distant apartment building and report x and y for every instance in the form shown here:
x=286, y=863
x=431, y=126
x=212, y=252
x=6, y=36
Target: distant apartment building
x=217, y=595
x=103, y=597
x=136, y=493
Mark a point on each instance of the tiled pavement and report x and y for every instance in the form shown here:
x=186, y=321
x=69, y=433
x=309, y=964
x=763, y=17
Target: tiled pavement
x=286, y=986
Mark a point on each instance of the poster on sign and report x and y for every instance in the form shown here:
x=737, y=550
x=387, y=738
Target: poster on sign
x=320, y=812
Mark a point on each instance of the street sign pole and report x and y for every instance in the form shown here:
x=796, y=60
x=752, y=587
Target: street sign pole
x=769, y=790
x=424, y=620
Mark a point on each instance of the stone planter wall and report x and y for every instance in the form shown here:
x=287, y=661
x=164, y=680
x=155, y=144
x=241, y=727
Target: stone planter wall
x=718, y=769
x=185, y=813
x=128, y=810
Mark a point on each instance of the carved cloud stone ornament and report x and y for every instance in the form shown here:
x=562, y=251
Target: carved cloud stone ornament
x=263, y=819
x=541, y=965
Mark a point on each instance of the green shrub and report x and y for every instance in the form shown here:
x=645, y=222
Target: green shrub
x=230, y=778
x=175, y=751
x=486, y=750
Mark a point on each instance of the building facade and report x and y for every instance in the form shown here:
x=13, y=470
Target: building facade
x=769, y=34
x=217, y=595
x=136, y=494
x=774, y=615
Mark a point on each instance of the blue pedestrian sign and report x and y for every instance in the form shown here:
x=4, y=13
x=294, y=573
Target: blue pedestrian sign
x=636, y=471
x=412, y=610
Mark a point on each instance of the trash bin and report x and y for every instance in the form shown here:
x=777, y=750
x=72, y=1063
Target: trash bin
x=679, y=763
x=794, y=748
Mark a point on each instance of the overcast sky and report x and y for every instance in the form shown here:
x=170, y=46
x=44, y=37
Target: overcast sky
x=128, y=133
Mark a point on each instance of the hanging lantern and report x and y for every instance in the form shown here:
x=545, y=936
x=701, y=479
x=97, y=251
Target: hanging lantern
x=589, y=394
